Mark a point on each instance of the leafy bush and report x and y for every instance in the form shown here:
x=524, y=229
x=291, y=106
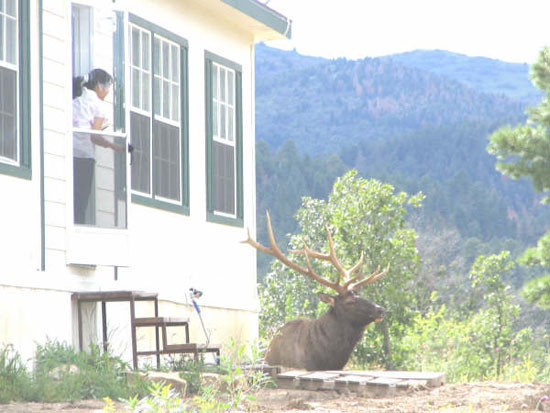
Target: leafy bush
x=14, y=377
x=61, y=373
x=365, y=217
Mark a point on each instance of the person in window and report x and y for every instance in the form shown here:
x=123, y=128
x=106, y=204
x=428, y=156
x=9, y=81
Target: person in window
x=89, y=112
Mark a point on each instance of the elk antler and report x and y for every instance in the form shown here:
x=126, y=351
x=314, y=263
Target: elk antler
x=376, y=275
x=330, y=257
x=277, y=253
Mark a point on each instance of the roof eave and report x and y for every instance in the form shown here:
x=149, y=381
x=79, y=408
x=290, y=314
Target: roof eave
x=279, y=25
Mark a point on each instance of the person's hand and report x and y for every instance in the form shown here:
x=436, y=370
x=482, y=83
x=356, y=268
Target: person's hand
x=117, y=147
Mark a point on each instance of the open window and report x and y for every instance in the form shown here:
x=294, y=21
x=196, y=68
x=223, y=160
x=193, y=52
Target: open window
x=99, y=170
x=100, y=158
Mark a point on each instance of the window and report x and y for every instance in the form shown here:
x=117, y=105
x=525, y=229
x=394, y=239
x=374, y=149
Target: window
x=158, y=113
x=14, y=88
x=224, y=140
x=99, y=157
x=82, y=20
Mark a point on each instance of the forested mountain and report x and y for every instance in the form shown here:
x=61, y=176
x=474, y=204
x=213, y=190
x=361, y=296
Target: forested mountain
x=481, y=73
x=323, y=104
x=422, y=128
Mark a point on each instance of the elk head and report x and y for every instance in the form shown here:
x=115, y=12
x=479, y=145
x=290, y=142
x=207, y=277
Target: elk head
x=347, y=304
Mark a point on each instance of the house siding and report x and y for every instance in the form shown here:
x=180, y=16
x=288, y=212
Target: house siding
x=168, y=252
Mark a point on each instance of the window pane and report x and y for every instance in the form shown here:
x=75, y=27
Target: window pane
x=230, y=87
x=230, y=124
x=11, y=40
x=141, y=157
x=215, y=82
x=156, y=51
x=11, y=9
x=175, y=103
x=145, y=48
x=222, y=121
x=2, y=37
x=146, y=90
x=156, y=94
x=135, y=88
x=223, y=178
x=8, y=113
x=175, y=64
x=166, y=163
x=222, y=84
x=136, y=46
x=165, y=60
x=215, y=131
x=166, y=99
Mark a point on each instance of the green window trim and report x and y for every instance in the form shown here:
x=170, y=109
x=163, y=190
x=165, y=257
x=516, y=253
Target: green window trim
x=181, y=207
x=23, y=170
x=238, y=220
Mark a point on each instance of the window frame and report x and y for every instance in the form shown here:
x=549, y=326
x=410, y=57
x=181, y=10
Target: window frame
x=221, y=217
x=22, y=167
x=153, y=199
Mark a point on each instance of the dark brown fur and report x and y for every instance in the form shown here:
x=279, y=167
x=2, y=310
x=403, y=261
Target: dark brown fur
x=325, y=343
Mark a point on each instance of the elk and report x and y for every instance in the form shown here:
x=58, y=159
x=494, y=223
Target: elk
x=327, y=342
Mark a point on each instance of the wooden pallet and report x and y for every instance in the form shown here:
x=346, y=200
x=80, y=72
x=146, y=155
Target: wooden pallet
x=366, y=383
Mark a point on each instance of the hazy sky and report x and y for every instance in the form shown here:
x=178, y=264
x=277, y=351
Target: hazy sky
x=509, y=30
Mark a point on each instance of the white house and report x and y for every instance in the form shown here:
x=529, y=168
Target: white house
x=164, y=219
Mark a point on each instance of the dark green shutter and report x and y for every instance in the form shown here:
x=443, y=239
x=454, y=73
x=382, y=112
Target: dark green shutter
x=24, y=122
x=209, y=137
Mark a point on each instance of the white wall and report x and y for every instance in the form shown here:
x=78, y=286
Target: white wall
x=169, y=252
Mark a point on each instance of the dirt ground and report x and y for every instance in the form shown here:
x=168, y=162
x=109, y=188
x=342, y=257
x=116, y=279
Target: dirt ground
x=486, y=396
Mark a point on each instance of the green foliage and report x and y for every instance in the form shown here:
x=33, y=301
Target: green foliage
x=525, y=150
x=479, y=345
x=241, y=380
x=364, y=217
x=61, y=373
x=14, y=377
x=237, y=382
x=161, y=399
x=282, y=178
x=537, y=291
x=190, y=370
x=463, y=348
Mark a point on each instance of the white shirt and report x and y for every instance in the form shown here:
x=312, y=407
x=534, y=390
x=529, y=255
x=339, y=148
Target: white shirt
x=86, y=108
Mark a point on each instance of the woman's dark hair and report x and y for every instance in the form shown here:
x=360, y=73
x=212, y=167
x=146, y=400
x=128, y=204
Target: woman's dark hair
x=90, y=81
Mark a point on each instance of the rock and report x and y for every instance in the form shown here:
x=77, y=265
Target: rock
x=171, y=378
x=61, y=371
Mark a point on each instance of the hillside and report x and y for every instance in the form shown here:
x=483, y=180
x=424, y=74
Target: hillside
x=325, y=104
x=480, y=73
x=413, y=127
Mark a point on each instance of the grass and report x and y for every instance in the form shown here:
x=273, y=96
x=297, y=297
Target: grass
x=61, y=373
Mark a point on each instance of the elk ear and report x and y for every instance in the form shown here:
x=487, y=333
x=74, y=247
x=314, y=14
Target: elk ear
x=329, y=299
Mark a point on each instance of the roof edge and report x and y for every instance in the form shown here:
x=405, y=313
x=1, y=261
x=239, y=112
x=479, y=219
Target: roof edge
x=263, y=14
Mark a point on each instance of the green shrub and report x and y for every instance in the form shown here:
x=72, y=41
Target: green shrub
x=61, y=373
x=14, y=378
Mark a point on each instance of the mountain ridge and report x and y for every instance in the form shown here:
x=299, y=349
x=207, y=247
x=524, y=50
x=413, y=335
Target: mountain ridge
x=323, y=104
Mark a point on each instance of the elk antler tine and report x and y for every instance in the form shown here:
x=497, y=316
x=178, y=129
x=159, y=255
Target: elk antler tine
x=354, y=269
x=333, y=258
x=371, y=278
